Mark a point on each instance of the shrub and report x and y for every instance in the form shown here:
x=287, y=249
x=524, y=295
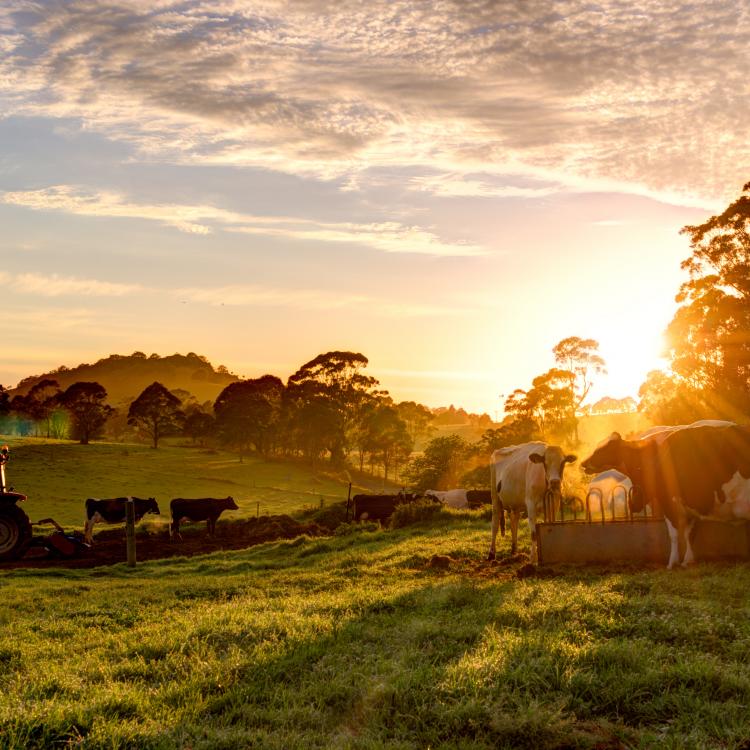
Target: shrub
x=409, y=513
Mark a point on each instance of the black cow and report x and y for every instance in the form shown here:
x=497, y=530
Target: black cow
x=198, y=509
x=380, y=507
x=694, y=471
x=113, y=511
x=475, y=498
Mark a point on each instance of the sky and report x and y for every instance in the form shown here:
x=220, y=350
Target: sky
x=449, y=187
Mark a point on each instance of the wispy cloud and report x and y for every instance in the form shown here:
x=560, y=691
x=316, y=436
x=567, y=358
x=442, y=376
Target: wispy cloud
x=242, y=295
x=230, y=295
x=647, y=95
x=391, y=237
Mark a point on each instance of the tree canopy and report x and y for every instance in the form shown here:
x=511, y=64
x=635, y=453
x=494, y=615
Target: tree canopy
x=157, y=412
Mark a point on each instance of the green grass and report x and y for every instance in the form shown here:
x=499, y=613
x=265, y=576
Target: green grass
x=58, y=476
x=354, y=641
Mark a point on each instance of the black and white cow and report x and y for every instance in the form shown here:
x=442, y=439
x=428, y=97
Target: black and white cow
x=113, y=511
x=198, y=509
x=699, y=470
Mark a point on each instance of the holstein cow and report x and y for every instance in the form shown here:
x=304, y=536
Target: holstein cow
x=609, y=491
x=113, y=511
x=198, y=509
x=700, y=470
x=520, y=476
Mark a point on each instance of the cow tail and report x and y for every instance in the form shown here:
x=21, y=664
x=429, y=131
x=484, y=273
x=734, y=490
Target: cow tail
x=502, y=518
x=495, y=494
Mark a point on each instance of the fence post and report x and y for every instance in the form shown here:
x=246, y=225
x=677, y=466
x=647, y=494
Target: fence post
x=130, y=531
x=348, y=501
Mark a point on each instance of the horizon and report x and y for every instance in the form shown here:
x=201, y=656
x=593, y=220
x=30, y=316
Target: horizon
x=449, y=192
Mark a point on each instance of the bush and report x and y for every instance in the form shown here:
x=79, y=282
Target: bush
x=409, y=513
x=354, y=527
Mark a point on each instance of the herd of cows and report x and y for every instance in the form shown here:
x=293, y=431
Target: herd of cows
x=684, y=473
x=181, y=510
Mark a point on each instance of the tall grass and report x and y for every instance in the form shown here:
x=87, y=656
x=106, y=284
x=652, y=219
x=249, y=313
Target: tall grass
x=355, y=641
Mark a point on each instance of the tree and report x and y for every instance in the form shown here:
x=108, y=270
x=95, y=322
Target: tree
x=337, y=377
x=441, y=465
x=199, y=425
x=86, y=404
x=42, y=400
x=709, y=337
x=157, y=412
x=549, y=404
x=385, y=436
x=417, y=418
x=248, y=413
x=579, y=357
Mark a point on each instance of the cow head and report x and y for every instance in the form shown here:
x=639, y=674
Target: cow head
x=606, y=455
x=553, y=460
x=151, y=506
x=231, y=505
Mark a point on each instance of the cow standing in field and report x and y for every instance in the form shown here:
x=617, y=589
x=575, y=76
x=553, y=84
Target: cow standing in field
x=198, y=509
x=521, y=476
x=380, y=507
x=477, y=498
x=113, y=511
x=699, y=470
x=609, y=492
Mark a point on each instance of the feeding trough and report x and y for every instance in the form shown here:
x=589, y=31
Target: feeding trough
x=607, y=531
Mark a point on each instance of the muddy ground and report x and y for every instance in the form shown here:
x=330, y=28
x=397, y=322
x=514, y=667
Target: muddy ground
x=109, y=544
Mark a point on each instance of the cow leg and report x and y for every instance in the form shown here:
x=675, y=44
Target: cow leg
x=211, y=524
x=86, y=532
x=515, y=516
x=497, y=509
x=689, y=558
x=531, y=511
x=674, y=539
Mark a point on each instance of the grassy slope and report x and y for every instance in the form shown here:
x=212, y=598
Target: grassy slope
x=354, y=642
x=59, y=476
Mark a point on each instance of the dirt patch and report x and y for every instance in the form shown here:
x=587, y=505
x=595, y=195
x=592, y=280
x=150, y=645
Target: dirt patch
x=109, y=544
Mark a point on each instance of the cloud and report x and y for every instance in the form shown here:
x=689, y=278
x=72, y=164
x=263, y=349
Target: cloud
x=244, y=295
x=390, y=237
x=647, y=96
x=231, y=295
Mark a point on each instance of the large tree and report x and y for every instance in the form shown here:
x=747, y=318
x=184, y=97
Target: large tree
x=441, y=465
x=86, y=402
x=157, y=412
x=709, y=337
x=336, y=377
x=248, y=413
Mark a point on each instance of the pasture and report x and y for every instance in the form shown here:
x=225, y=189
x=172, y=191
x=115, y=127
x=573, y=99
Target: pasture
x=58, y=476
x=358, y=641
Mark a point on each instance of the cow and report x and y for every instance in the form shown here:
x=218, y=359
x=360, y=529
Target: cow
x=609, y=490
x=380, y=507
x=521, y=476
x=113, y=511
x=699, y=470
x=207, y=509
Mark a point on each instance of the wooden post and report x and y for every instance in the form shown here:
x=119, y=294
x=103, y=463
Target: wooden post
x=348, y=501
x=130, y=531
x=322, y=502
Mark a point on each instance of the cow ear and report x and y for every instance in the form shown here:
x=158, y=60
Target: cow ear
x=536, y=458
x=615, y=436
x=570, y=458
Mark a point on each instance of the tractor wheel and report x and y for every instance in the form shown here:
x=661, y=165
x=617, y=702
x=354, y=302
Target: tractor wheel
x=15, y=532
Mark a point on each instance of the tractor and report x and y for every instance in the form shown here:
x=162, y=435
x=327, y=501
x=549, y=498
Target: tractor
x=15, y=527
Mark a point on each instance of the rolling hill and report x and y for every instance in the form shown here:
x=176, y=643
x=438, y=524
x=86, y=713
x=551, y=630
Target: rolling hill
x=125, y=376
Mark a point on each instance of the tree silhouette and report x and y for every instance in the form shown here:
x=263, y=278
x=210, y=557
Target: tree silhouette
x=709, y=336
x=86, y=404
x=157, y=412
x=248, y=413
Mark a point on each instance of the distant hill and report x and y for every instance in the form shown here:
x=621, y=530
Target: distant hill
x=125, y=376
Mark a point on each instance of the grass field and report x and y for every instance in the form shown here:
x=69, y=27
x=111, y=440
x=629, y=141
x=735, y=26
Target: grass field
x=58, y=476
x=356, y=641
